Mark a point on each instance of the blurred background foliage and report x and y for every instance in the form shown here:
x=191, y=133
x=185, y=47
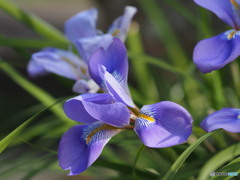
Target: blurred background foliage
x=160, y=45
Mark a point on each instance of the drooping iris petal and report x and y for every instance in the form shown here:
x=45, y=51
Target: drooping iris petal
x=114, y=59
x=215, y=52
x=226, y=10
x=120, y=26
x=88, y=108
x=81, y=25
x=85, y=86
x=35, y=69
x=87, y=46
x=60, y=62
x=81, y=145
x=118, y=90
x=163, y=124
x=226, y=118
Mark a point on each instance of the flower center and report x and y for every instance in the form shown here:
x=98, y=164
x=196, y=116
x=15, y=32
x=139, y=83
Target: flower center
x=144, y=116
x=232, y=34
x=116, y=32
x=101, y=128
x=235, y=4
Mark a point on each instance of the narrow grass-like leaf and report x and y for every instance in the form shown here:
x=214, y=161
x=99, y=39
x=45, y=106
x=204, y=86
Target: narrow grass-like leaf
x=32, y=21
x=157, y=62
x=126, y=169
x=165, y=32
x=215, y=82
x=44, y=165
x=31, y=43
x=235, y=70
x=181, y=159
x=137, y=156
x=181, y=9
x=4, y=143
x=42, y=96
x=140, y=69
x=233, y=166
x=218, y=160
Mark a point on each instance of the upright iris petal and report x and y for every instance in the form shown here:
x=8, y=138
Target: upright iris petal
x=226, y=118
x=163, y=124
x=88, y=108
x=119, y=90
x=87, y=46
x=114, y=59
x=120, y=26
x=214, y=53
x=81, y=145
x=81, y=25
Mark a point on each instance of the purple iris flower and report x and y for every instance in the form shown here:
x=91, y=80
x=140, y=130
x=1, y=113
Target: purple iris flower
x=95, y=38
x=215, y=52
x=80, y=30
x=226, y=118
x=158, y=125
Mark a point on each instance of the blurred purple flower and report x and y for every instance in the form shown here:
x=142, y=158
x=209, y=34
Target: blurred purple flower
x=79, y=29
x=90, y=38
x=215, y=52
x=63, y=63
x=158, y=125
x=226, y=118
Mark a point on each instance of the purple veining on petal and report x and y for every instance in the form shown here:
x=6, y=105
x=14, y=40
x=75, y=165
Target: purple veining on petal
x=81, y=145
x=88, y=108
x=163, y=124
x=114, y=59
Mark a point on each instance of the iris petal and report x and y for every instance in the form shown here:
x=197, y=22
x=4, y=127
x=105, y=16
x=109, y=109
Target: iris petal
x=118, y=90
x=114, y=59
x=224, y=9
x=89, y=108
x=226, y=118
x=81, y=25
x=81, y=145
x=120, y=26
x=87, y=46
x=214, y=53
x=60, y=62
x=163, y=124
x=85, y=86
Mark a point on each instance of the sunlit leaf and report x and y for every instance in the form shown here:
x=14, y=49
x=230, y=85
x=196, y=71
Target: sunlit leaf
x=181, y=159
x=219, y=160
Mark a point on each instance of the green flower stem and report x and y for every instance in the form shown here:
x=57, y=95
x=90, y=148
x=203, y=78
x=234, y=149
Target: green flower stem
x=32, y=43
